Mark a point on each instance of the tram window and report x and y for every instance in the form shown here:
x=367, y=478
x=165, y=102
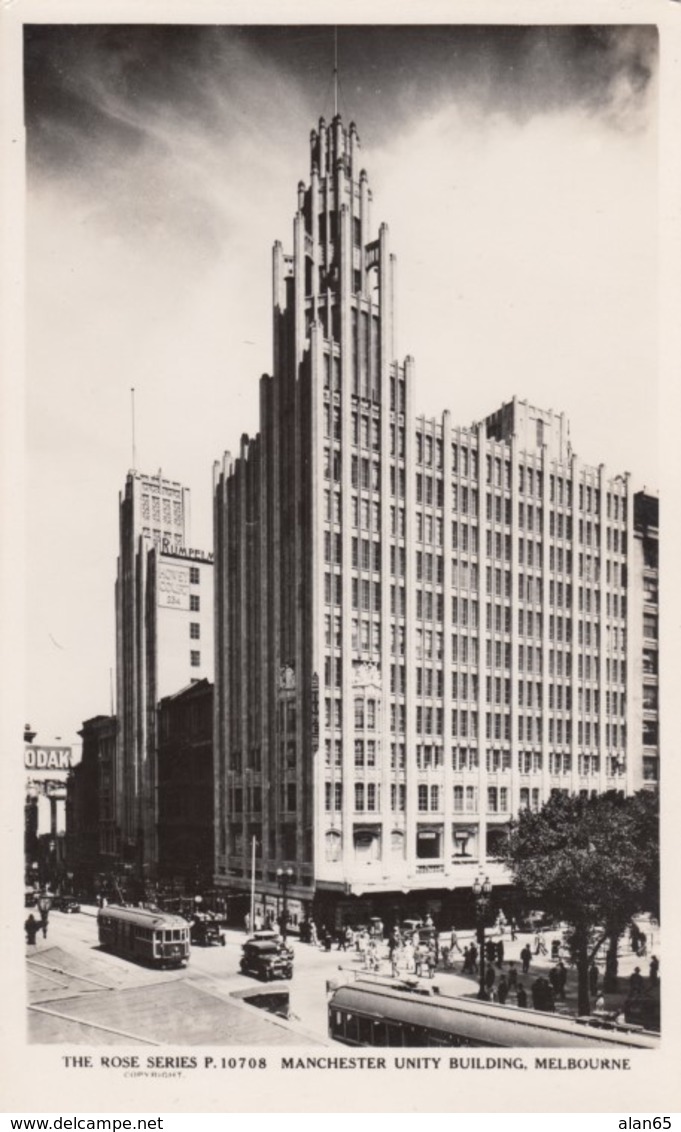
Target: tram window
x=380, y=1034
x=351, y=1028
x=366, y=1028
x=394, y=1035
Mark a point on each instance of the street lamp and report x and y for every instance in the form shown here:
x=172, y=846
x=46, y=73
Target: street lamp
x=284, y=877
x=482, y=891
x=44, y=905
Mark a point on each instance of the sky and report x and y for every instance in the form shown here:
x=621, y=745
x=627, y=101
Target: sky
x=516, y=168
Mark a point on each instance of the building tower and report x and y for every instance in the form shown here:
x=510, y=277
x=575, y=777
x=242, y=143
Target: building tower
x=420, y=628
x=164, y=641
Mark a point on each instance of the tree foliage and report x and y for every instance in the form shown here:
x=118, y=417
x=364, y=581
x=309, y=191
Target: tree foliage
x=592, y=862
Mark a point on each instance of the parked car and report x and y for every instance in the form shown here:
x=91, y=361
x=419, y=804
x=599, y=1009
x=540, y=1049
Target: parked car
x=66, y=904
x=266, y=959
x=205, y=931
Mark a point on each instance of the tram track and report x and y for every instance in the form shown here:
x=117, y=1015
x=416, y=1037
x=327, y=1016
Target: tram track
x=34, y=963
x=88, y=1024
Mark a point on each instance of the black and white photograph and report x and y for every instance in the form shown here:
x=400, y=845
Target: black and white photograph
x=342, y=482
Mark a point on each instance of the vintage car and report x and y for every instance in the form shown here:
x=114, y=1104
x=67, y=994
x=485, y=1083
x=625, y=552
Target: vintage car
x=65, y=904
x=266, y=959
x=206, y=931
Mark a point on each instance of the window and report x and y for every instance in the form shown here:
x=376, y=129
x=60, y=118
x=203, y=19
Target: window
x=194, y=603
x=194, y=575
x=194, y=630
x=195, y=658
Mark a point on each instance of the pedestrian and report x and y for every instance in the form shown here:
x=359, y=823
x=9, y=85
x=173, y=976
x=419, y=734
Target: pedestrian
x=43, y=923
x=466, y=969
x=654, y=971
x=599, y=1005
x=349, y=937
x=512, y=976
x=447, y=961
x=502, y=990
x=541, y=944
x=500, y=953
x=490, y=977
x=549, y=999
x=490, y=951
x=31, y=928
x=431, y=960
x=342, y=943
x=542, y=994
x=641, y=949
x=454, y=942
x=395, y=960
x=247, y=923
x=521, y=996
x=526, y=957
x=408, y=951
x=473, y=951
x=593, y=979
x=636, y=983
x=428, y=922
x=514, y=929
x=314, y=938
x=561, y=980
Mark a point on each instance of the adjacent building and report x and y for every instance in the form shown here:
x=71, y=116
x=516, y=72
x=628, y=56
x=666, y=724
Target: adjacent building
x=420, y=627
x=47, y=769
x=185, y=788
x=164, y=641
x=644, y=628
x=91, y=831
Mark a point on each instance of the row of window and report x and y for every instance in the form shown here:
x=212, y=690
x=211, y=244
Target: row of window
x=428, y=756
x=367, y=796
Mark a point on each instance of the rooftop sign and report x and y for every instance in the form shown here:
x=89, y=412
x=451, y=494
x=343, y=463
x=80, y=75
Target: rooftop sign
x=47, y=758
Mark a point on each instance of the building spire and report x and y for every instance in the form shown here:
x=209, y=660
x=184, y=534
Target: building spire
x=335, y=72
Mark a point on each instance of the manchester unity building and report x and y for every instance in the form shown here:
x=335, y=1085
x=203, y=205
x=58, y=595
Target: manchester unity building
x=420, y=628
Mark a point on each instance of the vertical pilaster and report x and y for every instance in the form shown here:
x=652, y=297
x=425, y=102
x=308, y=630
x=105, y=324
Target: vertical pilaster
x=411, y=814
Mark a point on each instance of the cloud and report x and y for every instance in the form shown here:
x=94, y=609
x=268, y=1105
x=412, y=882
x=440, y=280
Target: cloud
x=516, y=169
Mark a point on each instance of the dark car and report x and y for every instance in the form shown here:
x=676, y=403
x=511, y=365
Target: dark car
x=266, y=959
x=66, y=904
x=205, y=931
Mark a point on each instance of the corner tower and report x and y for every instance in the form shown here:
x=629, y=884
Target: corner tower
x=307, y=600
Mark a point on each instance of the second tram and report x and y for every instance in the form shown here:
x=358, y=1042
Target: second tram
x=147, y=936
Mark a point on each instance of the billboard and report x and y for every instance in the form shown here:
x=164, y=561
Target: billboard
x=173, y=586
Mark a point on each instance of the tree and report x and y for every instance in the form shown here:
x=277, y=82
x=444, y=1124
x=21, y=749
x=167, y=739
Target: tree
x=592, y=862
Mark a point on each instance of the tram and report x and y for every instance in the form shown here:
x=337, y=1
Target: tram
x=157, y=938
x=368, y=1013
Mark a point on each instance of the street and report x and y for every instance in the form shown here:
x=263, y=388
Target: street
x=81, y=994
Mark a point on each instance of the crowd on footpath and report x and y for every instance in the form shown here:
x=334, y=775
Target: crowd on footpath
x=422, y=951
